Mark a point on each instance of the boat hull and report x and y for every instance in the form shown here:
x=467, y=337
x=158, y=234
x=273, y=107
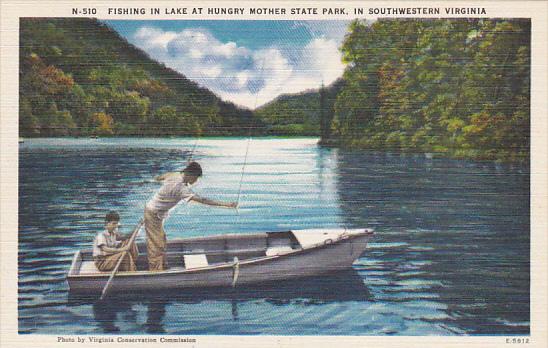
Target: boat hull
x=326, y=258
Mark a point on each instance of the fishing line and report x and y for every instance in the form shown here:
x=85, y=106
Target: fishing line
x=193, y=149
x=247, y=147
x=243, y=171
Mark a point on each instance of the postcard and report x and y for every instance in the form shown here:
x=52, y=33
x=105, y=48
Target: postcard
x=273, y=173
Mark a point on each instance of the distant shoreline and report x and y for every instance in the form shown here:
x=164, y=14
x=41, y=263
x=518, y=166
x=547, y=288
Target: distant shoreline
x=181, y=137
x=449, y=153
x=320, y=143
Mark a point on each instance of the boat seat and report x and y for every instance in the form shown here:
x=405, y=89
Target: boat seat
x=278, y=250
x=311, y=238
x=245, y=244
x=195, y=261
x=89, y=267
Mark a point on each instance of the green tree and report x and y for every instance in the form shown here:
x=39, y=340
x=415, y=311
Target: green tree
x=28, y=123
x=101, y=124
x=129, y=108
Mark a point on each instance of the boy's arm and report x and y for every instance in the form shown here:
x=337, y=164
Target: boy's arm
x=109, y=250
x=121, y=236
x=212, y=202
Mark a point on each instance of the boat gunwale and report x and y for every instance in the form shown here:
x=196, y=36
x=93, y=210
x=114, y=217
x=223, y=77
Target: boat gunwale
x=228, y=265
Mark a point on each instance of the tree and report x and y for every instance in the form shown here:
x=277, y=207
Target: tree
x=129, y=107
x=28, y=123
x=101, y=124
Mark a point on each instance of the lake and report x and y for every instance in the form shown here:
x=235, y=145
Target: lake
x=450, y=255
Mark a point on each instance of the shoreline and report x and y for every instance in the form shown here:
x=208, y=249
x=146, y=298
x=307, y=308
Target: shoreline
x=450, y=153
x=429, y=155
x=180, y=137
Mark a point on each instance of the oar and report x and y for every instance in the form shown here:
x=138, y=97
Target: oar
x=130, y=243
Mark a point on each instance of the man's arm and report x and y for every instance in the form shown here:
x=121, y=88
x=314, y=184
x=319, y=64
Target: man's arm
x=164, y=176
x=212, y=202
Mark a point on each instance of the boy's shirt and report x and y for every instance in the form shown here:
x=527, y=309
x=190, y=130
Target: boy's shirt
x=104, y=238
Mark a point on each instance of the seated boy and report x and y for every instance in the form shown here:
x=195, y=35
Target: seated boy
x=109, y=246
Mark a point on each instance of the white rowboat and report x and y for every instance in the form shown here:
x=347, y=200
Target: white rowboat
x=230, y=260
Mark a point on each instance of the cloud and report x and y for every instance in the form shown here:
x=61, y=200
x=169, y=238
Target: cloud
x=244, y=76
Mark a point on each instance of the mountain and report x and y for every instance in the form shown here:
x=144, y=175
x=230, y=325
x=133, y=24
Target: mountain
x=80, y=77
x=300, y=113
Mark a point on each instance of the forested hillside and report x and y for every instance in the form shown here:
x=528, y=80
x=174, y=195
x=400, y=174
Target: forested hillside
x=458, y=87
x=79, y=77
x=299, y=114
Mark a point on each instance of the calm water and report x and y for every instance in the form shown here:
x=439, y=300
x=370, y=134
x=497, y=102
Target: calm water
x=451, y=253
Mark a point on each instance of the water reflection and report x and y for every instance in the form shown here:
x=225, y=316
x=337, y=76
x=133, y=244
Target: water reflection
x=120, y=309
x=156, y=310
x=457, y=231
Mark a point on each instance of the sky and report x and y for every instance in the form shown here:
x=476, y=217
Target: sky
x=246, y=62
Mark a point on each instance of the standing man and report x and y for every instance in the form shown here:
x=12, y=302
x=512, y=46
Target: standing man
x=176, y=187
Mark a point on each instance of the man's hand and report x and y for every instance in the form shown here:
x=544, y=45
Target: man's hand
x=208, y=201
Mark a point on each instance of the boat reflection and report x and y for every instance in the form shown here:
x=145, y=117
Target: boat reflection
x=110, y=313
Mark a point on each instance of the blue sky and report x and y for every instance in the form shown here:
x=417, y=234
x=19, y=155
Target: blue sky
x=246, y=62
